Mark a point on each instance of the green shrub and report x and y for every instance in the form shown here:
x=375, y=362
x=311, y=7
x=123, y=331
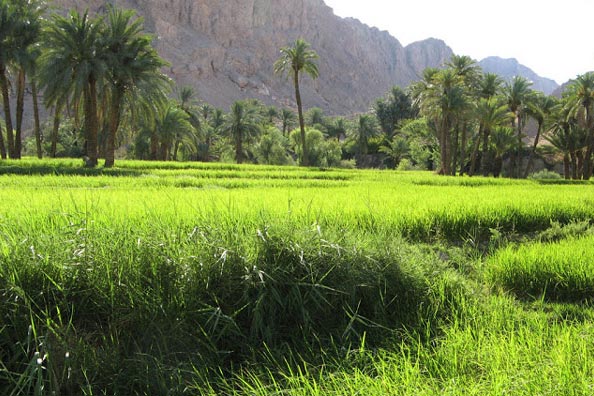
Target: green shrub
x=545, y=174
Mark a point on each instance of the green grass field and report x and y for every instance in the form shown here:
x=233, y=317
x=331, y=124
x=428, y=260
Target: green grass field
x=210, y=279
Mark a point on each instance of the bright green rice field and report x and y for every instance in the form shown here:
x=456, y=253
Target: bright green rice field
x=218, y=279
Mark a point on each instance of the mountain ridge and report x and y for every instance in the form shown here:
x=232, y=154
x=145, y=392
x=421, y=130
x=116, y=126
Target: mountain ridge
x=226, y=50
x=507, y=68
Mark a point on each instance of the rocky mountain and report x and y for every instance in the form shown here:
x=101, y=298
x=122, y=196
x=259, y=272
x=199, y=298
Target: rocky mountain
x=226, y=50
x=509, y=68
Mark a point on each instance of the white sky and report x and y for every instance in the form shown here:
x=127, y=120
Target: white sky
x=554, y=38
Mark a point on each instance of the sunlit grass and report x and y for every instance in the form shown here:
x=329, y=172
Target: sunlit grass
x=185, y=279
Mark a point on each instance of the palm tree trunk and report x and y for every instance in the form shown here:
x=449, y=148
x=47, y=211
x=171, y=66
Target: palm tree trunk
x=238, y=148
x=519, y=151
x=447, y=161
x=2, y=146
x=441, y=135
x=165, y=149
x=587, y=164
x=176, y=149
x=114, y=123
x=498, y=166
x=20, y=105
x=76, y=112
x=580, y=164
x=513, y=153
x=533, y=151
x=454, y=149
x=566, y=163
x=19, y=113
x=463, y=148
x=304, y=156
x=475, y=150
x=574, y=170
x=37, y=127
x=56, y=129
x=91, y=122
x=7, y=112
x=154, y=147
x=485, y=154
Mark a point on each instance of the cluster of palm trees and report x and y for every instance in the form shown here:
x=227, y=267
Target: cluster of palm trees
x=478, y=120
x=105, y=75
x=104, y=64
x=20, y=27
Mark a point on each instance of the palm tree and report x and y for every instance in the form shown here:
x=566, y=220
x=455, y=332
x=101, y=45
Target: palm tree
x=538, y=109
x=443, y=98
x=489, y=85
x=517, y=94
x=367, y=128
x=337, y=129
x=271, y=114
x=74, y=64
x=241, y=123
x=315, y=117
x=287, y=119
x=8, y=25
x=171, y=124
x=565, y=133
x=294, y=60
x=581, y=99
x=502, y=141
x=490, y=114
x=133, y=70
x=26, y=33
x=390, y=111
x=470, y=73
x=395, y=149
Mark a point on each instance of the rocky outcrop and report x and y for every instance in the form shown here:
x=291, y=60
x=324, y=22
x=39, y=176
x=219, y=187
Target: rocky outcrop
x=509, y=68
x=226, y=50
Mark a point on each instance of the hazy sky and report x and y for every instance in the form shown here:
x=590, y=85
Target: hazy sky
x=554, y=38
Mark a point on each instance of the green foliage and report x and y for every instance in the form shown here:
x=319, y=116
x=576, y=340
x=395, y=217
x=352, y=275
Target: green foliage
x=545, y=175
x=423, y=145
x=324, y=153
x=272, y=148
x=405, y=165
x=392, y=110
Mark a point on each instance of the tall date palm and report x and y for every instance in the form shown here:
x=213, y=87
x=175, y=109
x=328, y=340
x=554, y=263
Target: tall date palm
x=241, y=123
x=133, y=69
x=74, y=64
x=295, y=60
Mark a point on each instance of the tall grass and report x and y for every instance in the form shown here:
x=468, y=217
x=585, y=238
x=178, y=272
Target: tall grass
x=558, y=271
x=185, y=279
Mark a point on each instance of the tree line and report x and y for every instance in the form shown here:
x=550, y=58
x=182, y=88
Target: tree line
x=102, y=80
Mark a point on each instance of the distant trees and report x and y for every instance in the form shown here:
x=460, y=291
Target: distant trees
x=102, y=78
x=20, y=25
x=107, y=62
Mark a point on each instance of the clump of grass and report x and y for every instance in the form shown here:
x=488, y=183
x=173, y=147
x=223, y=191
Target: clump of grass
x=559, y=271
x=558, y=231
x=138, y=306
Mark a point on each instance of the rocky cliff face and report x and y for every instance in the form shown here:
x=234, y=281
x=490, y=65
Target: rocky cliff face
x=508, y=68
x=226, y=50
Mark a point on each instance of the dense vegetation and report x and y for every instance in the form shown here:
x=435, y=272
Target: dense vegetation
x=190, y=274
x=102, y=80
x=194, y=278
